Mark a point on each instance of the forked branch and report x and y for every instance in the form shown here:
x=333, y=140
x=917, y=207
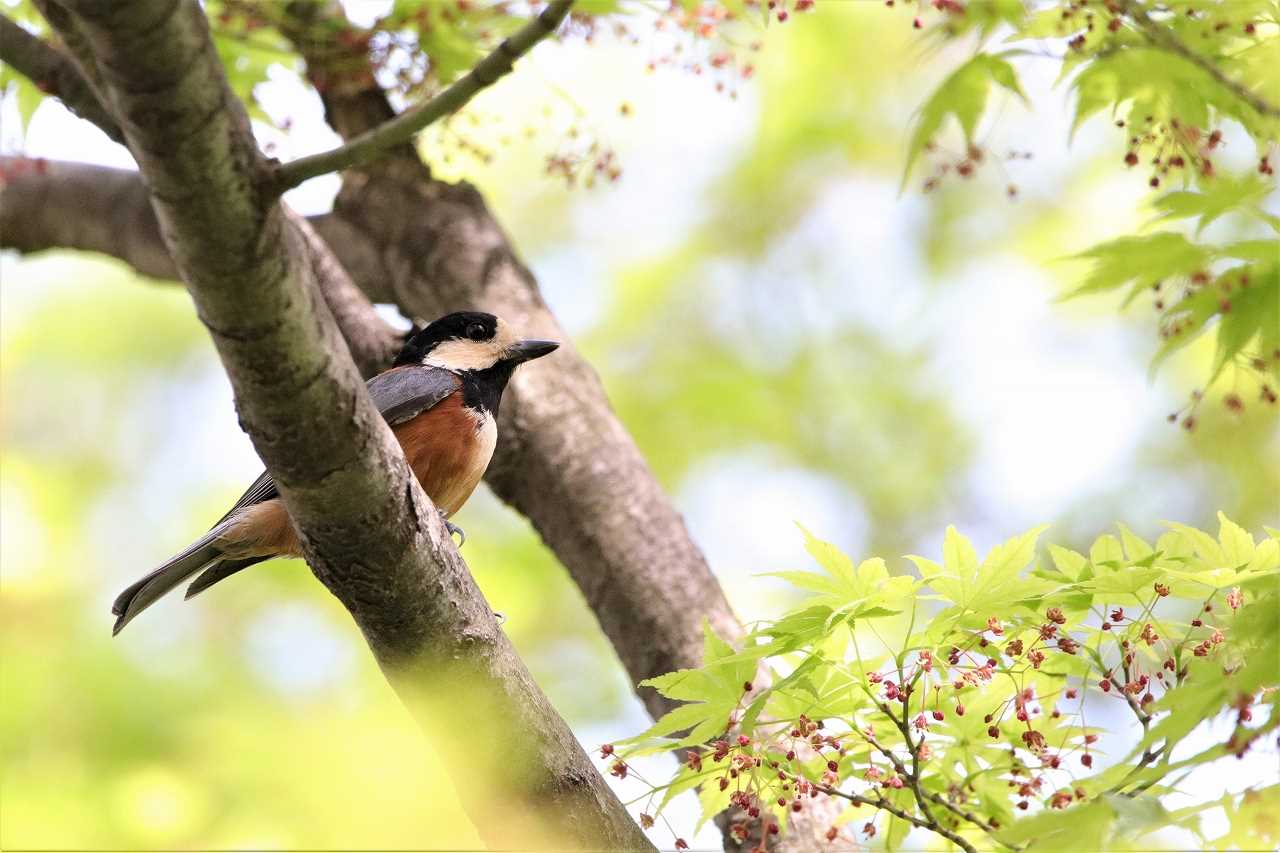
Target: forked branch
x=368, y=146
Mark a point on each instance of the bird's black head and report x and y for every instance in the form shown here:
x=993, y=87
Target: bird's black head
x=470, y=341
x=473, y=326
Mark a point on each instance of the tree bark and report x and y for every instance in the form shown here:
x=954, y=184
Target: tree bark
x=565, y=461
x=397, y=131
x=583, y=484
x=368, y=531
x=38, y=211
x=54, y=72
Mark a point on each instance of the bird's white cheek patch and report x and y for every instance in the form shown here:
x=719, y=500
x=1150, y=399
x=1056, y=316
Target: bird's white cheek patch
x=464, y=355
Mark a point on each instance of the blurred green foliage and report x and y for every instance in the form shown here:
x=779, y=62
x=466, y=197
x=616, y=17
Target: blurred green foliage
x=975, y=683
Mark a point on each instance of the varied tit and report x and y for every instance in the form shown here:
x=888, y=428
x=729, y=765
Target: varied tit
x=441, y=399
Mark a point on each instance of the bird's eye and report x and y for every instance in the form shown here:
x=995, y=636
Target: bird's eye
x=476, y=332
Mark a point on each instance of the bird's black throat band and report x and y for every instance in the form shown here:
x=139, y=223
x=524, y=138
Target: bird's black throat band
x=482, y=389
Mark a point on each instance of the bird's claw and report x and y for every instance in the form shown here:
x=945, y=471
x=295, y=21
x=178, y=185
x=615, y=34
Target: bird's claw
x=454, y=530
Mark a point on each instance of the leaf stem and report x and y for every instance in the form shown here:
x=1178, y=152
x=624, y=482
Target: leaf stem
x=1164, y=38
x=923, y=797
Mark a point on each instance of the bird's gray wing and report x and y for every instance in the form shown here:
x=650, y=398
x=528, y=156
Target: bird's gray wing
x=406, y=392
x=400, y=394
x=263, y=489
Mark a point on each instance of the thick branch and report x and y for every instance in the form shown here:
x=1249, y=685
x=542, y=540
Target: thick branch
x=1163, y=37
x=369, y=532
x=373, y=343
x=608, y=521
x=565, y=461
x=50, y=204
x=371, y=144
x=54, y=72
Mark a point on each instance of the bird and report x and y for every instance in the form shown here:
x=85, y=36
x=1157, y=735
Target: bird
x=440, y=397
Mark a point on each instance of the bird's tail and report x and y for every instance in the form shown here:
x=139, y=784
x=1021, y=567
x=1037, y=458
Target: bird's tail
x=148, y=589
x=219, y=570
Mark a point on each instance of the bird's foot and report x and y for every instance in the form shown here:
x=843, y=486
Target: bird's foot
x=499, y=616
x=454, y=530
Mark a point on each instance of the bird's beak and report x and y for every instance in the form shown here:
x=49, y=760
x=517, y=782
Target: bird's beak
x=529, y=350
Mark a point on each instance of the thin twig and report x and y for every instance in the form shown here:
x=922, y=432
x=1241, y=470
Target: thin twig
x=1143, y=716
x=913, y=779
x=1162, y=37
x=882, y=803
x=368, y=146
x=1147, y=757
x=56, y=73
x=969, y=816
